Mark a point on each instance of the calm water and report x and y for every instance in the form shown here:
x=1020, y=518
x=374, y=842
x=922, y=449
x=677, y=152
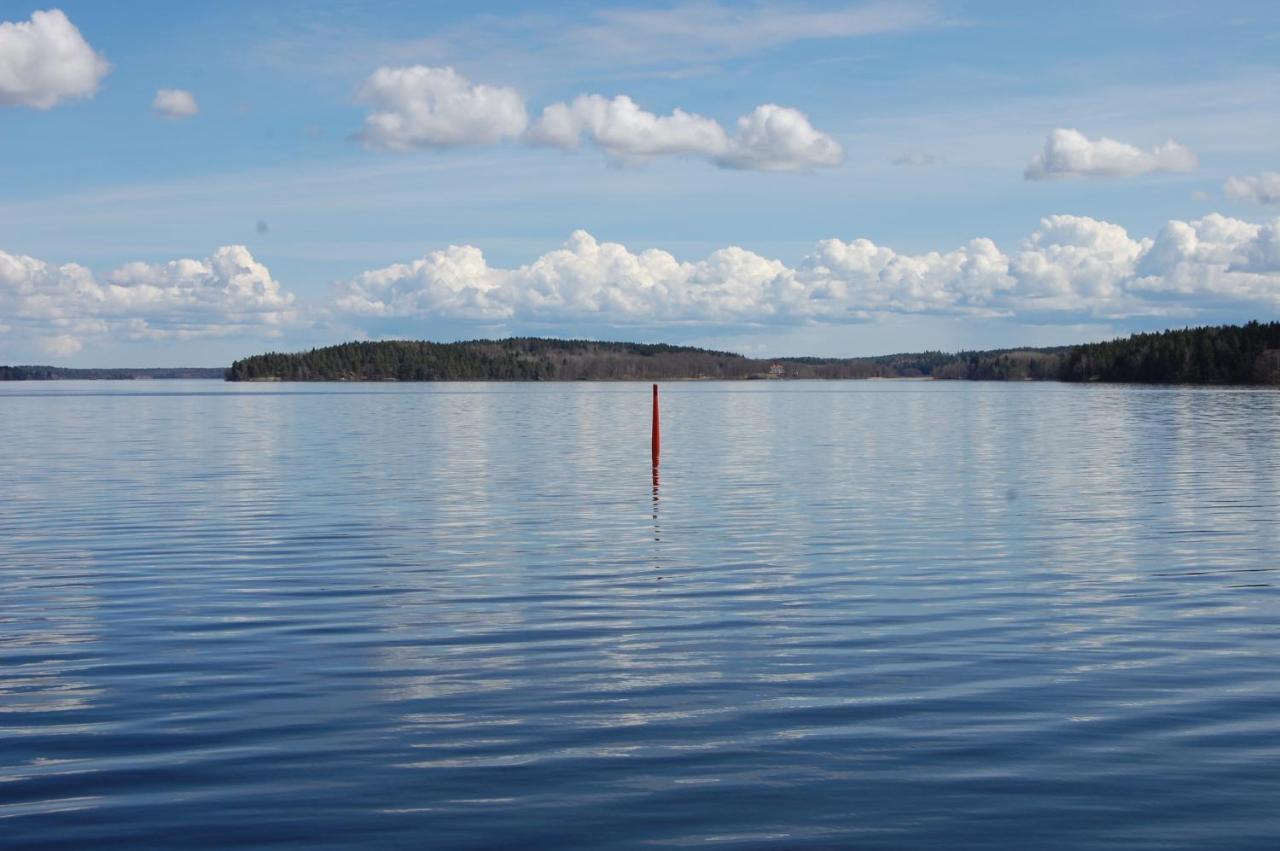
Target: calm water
x=863, y=614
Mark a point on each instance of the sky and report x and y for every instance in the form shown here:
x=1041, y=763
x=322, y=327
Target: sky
x=185, y=184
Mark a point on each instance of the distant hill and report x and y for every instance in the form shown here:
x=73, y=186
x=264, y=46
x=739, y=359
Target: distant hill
x=1230, y=354
x=54, y=373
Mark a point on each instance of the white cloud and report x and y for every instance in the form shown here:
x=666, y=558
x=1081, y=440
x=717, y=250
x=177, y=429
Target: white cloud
x=1211, y=261
x=585, y=278
x=175, y=103
x=1070, y=268
x=46, y=60
x=1261, y=189
x=770, y=138
x=625, y=131
x=852, y=278
x=421, y=107
x=63, y=307
x=778, y=138
x=1076, y=264
x=1069, y=153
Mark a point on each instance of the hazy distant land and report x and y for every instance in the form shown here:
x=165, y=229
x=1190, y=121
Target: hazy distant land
x=57, y=373
x=1230, y=354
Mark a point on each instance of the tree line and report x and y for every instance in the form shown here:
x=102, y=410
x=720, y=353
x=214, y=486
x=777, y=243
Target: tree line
x=1229, y=354
x=515, y=359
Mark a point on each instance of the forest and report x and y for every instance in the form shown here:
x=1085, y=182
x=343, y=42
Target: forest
x=1228, y=354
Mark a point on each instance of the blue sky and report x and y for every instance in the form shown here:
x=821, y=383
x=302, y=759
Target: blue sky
x=313, y=198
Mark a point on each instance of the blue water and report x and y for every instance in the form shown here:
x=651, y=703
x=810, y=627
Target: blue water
x=850, y=614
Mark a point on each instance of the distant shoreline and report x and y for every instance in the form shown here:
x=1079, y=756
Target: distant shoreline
x=1230, y=354
x=1244, y=355
x=62, y=373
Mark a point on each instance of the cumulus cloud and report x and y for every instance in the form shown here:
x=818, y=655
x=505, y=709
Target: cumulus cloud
x=778, y=138
x=770, y=138
x=175, y=103
x=63, y=307
x=1069, y=268
x=584, y=278
x=1261, y=189
x=45, y=61
x=1213, y=261
x=421, y=107
x=1069, y=153
x=625, y=131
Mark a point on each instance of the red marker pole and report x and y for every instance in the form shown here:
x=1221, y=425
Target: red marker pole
x=657, y=429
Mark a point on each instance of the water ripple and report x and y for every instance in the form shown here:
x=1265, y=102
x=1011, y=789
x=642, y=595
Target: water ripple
x=886, y=614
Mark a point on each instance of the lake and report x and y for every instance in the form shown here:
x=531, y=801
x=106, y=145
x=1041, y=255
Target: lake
x=880, y=614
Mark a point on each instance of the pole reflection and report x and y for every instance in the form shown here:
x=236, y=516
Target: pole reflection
x=656, y=454
x=656, y=531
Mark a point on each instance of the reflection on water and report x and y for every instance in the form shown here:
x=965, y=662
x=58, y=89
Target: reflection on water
x=657, y=530
x=887, y=614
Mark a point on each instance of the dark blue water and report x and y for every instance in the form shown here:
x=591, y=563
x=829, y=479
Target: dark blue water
x=864, y=614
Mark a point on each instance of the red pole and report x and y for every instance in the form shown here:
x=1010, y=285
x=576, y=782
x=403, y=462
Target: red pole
x=657, y=430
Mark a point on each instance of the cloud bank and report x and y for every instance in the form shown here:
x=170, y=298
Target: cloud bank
x=175, y=103
x=45, y=61
x=64, y=307
x=420, y=107
x=1070, y=268
x=1069, y=153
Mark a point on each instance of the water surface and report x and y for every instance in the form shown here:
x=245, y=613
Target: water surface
x=850, y=614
